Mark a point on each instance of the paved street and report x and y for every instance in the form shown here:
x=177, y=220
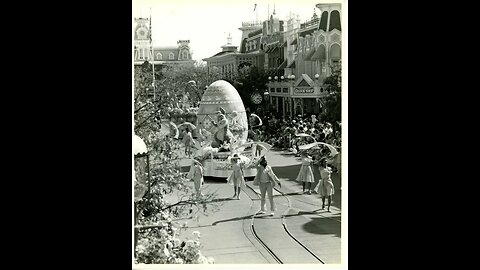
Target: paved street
x=227, y=234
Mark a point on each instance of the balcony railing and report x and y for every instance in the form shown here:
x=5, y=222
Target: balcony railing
x=310, y=23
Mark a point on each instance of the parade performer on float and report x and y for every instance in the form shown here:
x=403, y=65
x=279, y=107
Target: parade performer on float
x=223, y=134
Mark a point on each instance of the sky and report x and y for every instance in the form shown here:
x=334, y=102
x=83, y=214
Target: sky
x=207, y=23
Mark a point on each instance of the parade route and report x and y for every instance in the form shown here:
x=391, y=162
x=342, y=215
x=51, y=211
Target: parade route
x=227, y=235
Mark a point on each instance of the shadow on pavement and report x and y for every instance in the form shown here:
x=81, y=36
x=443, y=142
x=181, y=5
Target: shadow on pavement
x=293, y=193
x=286, y=170
x=320, y=225
x=219, y=200
x=231, y=219
x=315, y=212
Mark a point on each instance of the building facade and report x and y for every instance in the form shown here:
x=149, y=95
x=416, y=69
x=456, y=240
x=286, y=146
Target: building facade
x=144, y=50
x=296, y=57
x=275, y=48
x=313, y=50
x=230, y=60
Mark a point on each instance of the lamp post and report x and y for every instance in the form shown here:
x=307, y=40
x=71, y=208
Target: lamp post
x=317, y=76
x=292, y=110
x=266, y=94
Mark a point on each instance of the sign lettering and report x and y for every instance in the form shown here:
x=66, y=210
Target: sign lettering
x=303, y=91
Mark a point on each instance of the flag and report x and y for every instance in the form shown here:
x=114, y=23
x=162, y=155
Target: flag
x=255, y=7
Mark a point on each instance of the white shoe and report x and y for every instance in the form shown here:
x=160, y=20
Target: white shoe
x=272, y=214
x=261, y=212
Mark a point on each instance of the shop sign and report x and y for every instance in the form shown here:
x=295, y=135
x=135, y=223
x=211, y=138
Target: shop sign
x=303, y=91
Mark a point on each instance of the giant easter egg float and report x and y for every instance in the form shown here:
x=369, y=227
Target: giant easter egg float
x=222, y=115
x=222, y=95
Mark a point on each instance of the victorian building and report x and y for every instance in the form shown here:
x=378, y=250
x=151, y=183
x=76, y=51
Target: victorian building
x=313, y=50
x=230, y=59
x=297, y=58
x=275, y=47
x=144, y=50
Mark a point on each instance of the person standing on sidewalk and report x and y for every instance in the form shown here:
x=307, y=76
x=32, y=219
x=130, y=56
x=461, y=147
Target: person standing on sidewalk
x=325, y=186
x=305, y=175
x=315, y=162
x=236, y=178
x=266, y=179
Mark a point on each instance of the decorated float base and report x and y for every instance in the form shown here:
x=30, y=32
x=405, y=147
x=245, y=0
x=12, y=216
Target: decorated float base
x=218, y=165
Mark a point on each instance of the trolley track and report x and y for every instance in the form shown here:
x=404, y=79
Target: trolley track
x=310, y=203
x=272, y=250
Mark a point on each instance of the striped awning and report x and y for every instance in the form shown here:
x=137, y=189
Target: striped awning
x=309, y=54
x=319, y=54
x=283, y=64
x=292, y=65
x=271, y=48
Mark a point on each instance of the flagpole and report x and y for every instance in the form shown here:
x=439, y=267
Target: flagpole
x=153, y=56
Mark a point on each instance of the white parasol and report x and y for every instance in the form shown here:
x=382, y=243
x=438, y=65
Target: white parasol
x=260, y=122
x=333, y=150
x=187, y=124
x=139, y=146
x=262, y=145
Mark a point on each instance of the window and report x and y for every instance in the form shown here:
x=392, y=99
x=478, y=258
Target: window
x=279, y=90
x=335, y=51
x=159, y=56
x=171, y=56
x=335, y=21
x=285, y=90
x=185, y=55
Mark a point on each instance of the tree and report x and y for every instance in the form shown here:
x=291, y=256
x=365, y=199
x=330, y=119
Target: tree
x=171, y=84
x=250, y=80
x=158, y=234
x=333, y=102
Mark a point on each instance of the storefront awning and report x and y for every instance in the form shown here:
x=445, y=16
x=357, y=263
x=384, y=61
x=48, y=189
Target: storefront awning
x=309, y=54
x=319, y=54
x=292, y=65
x=283, y=64
x=271, y=73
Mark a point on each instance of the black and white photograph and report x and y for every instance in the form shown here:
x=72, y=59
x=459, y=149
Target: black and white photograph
x=239, y=124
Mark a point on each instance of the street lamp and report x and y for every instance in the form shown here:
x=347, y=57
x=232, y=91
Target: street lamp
x=317, y=76
x=269, y=78
x=281, y=78
x=266, y=94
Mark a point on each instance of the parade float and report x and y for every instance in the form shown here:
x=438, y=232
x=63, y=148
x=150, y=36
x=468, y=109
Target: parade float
x=222, y=130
